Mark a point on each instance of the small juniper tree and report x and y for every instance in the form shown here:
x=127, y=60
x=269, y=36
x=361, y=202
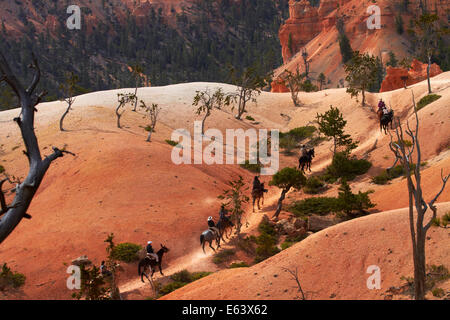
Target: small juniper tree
x=206, y=101
x=362, y=72
x=136, y=70
x=123, y=99
x=352, y=204
x=332, y=125
x=236, y=199
x=294, y=84
x=113, y=267
x=153, y=113
x=418, y=230
x=321, y=80
x=69, y=89
x=286, y=179
x=249, y=86
x=92, y=285
x=425, y=37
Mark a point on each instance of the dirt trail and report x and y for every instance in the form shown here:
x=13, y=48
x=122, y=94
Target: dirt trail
x=196, y=259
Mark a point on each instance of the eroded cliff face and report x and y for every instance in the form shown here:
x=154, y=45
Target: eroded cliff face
x=314, y=30
x=302, y=26
x=399, y=77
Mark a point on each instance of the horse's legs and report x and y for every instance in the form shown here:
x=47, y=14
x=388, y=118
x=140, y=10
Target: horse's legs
x=259, y=208
x=203, y=246
x=254, y=204
x=160, y=269
x=210, y=245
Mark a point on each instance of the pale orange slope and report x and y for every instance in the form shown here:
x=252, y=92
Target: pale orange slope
x=332, y=264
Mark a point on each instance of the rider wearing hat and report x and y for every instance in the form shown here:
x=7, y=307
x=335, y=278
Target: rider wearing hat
x=212, y=226
x=150, y=252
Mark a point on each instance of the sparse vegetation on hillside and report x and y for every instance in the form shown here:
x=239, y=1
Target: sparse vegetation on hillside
x=427, y=100
x=342, y=166
x=126, y=252
x=180, y=279
x=10, y=279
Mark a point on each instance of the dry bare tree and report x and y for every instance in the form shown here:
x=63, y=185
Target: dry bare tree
x=38, y=166
x=137, y=71
x=294, y=275
x=123, y=99
x=68, y=87
x=153, y=113
x=404, y=155
x=206, y=101
x=294, y=83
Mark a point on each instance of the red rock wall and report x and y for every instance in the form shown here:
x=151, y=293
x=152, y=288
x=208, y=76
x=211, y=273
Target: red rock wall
x=417, y=73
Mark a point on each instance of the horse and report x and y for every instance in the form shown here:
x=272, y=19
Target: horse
x=148, y=262
x=306, y=160
x=385, y=120
x=258, y=194
x=210, y=236
x=223, y=225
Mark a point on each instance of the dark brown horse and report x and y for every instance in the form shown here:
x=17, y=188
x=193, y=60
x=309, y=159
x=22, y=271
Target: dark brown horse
x=306, y=160
x=257, y=195
x=385, y=120
x=148, y=262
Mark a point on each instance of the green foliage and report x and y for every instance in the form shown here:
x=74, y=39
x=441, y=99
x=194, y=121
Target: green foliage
x=399, y=25
x=362, y=72
x=168, y=288
x=288, y=178
x=187, y=277
x=344, y=167
x=250, y=118
x=314, y=205
x=236, y=199
x=252, y=167
x=10, y=279
x=427, y=100
x=247, y=32
x=313, y=185
x=126, y=252
x=172, y=143
x=2, y=169
x=180, y=279
x=352, y=204
x=393, y=62
x=345, y=47
x=438, y=292
x=239, y=265
x=307, y=86
x=332, y=125
x=266, y=241
x=290, y=139
x=93, y=285
x=395, y=172
x=223, y=255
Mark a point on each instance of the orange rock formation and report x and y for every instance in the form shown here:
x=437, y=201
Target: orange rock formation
x=396, y=77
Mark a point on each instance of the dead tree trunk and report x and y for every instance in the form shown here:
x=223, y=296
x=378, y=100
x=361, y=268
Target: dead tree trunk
x=26, y=190
x=69, y=101
x=280, y=203
x=418, y=230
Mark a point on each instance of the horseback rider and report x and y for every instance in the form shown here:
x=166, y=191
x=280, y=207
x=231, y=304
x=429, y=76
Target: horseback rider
x=256, y=183
x=223, y=212
x=382, y=107
x=212, y=226
x=150, y=252
x=303, y=151
x=104, y=271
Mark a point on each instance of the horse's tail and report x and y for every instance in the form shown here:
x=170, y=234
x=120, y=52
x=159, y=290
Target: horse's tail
x=202, y=237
